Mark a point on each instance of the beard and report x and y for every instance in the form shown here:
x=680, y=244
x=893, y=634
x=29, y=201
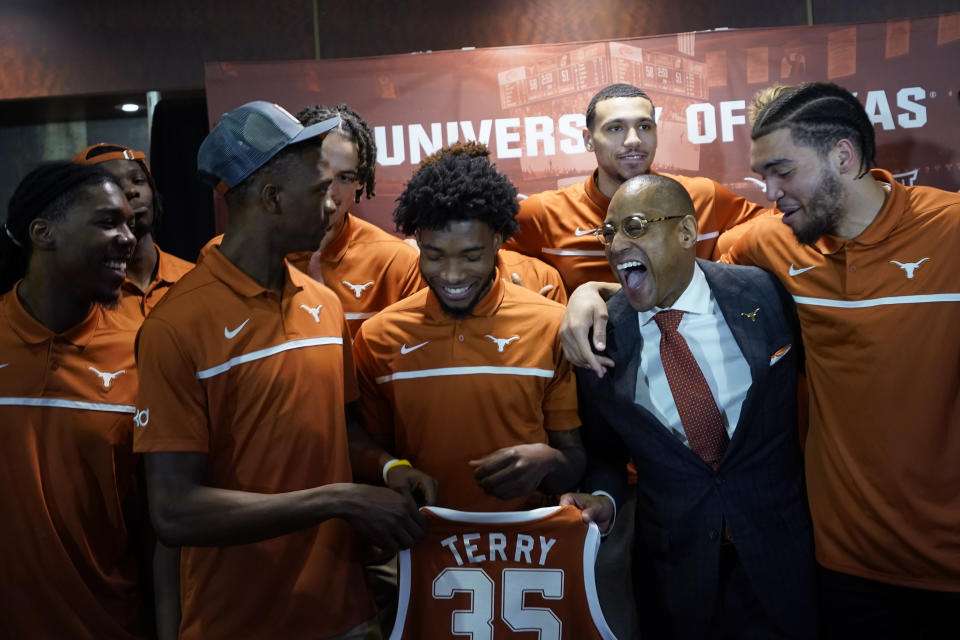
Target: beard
x=463, y=312
x=822, y=211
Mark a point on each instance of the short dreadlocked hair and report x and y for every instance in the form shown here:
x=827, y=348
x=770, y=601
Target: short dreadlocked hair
x=457, y=187
x=48, y=192
x=818, y=115
x=354, y=128
x=619, y=90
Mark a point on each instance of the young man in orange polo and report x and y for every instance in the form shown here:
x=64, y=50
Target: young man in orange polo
x=246, y=370
x=557, y=226
x=67, y=386
x=364, y=265
x=466, y=378
x=152, y=270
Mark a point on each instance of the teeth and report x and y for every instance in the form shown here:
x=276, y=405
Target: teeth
x=117, y=264
x=630, y=265
x=456, y=290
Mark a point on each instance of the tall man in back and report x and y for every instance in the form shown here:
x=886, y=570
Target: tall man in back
x=556, y=226
x=249, y=450
x=873, y=268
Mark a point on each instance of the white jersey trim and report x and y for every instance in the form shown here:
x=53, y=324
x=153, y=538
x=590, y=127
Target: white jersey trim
x=359, y=315
x=266, y=353
x=68, y=404
x=877, y=302
x=707, y=236
x=465, y=371
x=573, y=252
x=403, y=597
x=591, y=547
x=486, y=517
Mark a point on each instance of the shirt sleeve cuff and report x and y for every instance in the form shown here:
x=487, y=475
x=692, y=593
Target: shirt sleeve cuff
x=613, y=520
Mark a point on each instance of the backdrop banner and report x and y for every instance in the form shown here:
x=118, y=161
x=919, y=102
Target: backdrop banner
x=527, y=103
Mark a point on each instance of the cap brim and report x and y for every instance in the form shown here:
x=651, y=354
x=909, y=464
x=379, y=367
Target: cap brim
x=317, y=129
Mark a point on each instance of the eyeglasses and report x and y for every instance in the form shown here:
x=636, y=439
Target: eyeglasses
x=632, y=226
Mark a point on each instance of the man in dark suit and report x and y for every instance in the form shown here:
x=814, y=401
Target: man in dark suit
x=702, y=398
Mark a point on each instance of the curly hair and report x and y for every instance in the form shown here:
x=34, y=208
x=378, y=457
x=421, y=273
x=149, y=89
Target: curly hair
x=354, y=128
x=818, y=115
x=457, y=187
x=470, y=148
x=49, y=191
x=613, y=91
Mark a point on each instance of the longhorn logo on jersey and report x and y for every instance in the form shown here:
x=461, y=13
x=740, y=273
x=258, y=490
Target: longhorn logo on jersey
x=909, y=267
x=358, y=288
x=106, y=378
x=502, y=342
x=313, y=311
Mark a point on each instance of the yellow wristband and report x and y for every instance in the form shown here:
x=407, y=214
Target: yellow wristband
x=394, y=463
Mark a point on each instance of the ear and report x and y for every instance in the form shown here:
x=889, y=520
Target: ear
x=497, y=241
x=687, y=232
x=587, y=139
x=270, y=198
x=844, y=156
x=43, y=234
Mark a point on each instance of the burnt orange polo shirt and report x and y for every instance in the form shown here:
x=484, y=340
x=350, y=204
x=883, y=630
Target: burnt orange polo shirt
x=367, y=268
x=136, y=304
x=258, y=382
x=66, y=435
x=557, y=226
x=533, y=273
x=450, y=390
x=880, y=317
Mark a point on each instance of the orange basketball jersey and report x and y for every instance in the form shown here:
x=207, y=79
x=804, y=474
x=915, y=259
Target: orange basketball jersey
x=523, y=574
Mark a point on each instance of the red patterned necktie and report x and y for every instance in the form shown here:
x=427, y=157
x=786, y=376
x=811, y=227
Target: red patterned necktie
x=698, y=411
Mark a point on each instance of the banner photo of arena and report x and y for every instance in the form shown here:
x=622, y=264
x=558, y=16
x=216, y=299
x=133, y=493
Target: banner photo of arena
x=527, y=103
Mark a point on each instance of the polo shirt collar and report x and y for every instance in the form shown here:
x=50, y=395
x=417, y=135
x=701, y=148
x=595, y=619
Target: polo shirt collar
x=165, y=275
x=487, y=306
x=32, y=331
x=694, y=299
x=231, y=275
x=882, y=226
x=336, y=250
x=594, y=193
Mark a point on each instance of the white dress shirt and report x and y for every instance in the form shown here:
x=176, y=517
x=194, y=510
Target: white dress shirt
x=714, y=348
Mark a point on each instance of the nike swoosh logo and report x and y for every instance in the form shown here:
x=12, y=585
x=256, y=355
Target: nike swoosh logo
x=3, y=365
x=230, y=335
x=577, y=232
x=793, y=271
x=405, y=349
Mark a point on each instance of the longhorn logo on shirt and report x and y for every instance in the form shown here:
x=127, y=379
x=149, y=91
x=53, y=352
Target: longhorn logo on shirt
x=315, y=311
x=141, y=418
x=107, y=378
x=357, y=288
x=909, y=267
x=502, y=342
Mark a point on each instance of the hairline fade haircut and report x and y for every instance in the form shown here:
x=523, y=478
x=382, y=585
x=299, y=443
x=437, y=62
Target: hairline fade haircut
x=619, y=90
x=455, y=188
x=49, y=191
x=354, y=128
x=818, y=115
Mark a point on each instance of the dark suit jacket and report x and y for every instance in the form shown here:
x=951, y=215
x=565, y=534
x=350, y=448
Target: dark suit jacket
x=681, y=502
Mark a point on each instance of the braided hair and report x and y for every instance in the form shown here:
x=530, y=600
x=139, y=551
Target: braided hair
x=48, y=192
x=354, y=128
x=818, y=115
